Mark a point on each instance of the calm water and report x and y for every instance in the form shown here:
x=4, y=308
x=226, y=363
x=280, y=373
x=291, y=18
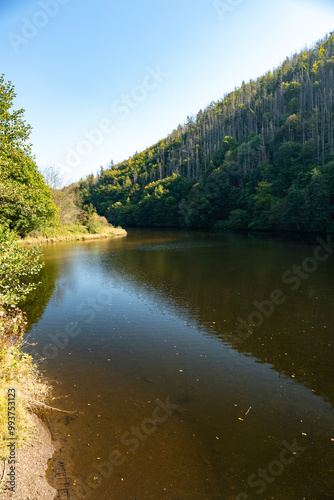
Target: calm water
x=142, y=335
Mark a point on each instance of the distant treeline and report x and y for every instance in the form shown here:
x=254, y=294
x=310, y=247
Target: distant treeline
x=261, y=158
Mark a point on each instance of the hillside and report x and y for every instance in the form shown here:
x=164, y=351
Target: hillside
x=261, y=158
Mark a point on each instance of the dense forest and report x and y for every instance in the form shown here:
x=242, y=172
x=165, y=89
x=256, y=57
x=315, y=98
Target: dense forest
x=261, y=158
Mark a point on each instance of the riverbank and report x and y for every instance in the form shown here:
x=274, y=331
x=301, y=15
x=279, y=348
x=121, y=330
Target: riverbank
x=31, y=466
x=111, y=233
x=25, y=446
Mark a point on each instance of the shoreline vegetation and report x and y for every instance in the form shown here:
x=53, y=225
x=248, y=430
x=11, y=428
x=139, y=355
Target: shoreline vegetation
x=24, y=390
x=67, y=235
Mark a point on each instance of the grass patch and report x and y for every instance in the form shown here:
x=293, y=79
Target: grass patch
x=72, y=233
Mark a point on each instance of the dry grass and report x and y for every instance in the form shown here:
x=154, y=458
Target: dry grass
x=111, y=233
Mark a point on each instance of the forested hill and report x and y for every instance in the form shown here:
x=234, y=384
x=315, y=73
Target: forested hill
x=261, y=158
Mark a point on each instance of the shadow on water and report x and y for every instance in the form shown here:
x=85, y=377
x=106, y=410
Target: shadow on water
x=215, y=279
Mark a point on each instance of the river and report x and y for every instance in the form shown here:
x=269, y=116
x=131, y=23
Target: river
x=199, y=365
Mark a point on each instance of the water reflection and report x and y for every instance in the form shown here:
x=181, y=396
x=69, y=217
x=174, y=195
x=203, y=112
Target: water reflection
x=167, y=328
x=214, y=280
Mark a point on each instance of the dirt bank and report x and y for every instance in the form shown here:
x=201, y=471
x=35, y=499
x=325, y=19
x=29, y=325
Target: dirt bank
x=30, y=468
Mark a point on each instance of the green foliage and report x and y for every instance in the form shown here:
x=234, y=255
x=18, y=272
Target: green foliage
x=238, y=219
x=94, y=223
x=288, y=213
x=328, y=173
x=14, y=132
x=318, y=205
x=262, y=204
x=228, y=144
x=157, y=204
x=18, y=268
x=25, y=201
x=292, y=90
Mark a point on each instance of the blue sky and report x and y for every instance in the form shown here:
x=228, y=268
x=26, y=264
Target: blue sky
x=101, y=80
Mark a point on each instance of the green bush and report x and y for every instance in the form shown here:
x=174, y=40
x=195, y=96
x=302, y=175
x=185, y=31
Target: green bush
x=18, y=268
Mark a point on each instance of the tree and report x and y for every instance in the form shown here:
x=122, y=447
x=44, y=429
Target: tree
x=328, y=173
x=228, y=144
x=14, y=132
x=198, y=206
x=238, y=219
x=53, y=177
x=263, y=201
x=318, y=202
x=25, y=201
x=288, y=213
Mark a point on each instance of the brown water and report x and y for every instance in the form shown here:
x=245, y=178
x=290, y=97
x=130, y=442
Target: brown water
x=153, y=320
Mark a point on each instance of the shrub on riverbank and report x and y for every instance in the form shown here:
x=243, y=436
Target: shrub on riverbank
x=77, y=221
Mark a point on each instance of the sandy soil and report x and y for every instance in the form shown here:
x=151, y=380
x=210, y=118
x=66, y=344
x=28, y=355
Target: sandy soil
x=31, y=466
